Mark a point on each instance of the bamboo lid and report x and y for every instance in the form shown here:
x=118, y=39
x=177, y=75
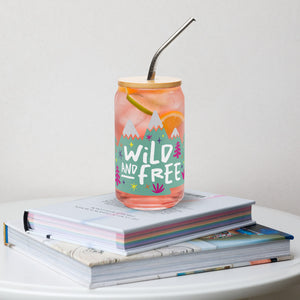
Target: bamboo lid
x=140, y=82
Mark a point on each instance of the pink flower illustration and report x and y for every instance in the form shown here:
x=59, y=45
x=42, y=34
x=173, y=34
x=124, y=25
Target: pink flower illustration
x=158, y=189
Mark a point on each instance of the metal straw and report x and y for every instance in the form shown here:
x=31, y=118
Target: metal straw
x=151, y=72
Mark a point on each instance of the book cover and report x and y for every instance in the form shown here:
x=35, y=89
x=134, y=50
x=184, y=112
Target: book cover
x=234, y=238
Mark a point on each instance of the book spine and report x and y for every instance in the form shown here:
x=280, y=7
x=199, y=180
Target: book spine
x=25, y=221
x=5, y=236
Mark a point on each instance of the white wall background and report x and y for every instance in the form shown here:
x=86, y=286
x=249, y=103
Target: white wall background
x=240, y=65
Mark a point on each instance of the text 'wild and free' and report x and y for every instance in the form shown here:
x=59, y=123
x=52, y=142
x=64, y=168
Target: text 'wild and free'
x=164, y=170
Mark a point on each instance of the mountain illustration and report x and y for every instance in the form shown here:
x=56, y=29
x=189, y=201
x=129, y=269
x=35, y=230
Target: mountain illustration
x=155, y=121
x=175, y=133
x=130, y=131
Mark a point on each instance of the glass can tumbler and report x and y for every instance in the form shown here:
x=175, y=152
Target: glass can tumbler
x=149, y=142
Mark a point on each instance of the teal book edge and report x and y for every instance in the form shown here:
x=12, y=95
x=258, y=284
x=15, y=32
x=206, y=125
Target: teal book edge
x=249, y=235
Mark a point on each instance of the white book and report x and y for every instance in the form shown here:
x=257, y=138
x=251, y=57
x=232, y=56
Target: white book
x=247, y=246
x=102, y=222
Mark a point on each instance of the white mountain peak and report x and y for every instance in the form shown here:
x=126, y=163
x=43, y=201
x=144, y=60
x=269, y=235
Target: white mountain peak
x=130, y=130
x=155, y=121
x=175, y=133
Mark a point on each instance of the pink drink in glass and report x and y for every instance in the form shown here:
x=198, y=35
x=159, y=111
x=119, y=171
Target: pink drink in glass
x=149, y=138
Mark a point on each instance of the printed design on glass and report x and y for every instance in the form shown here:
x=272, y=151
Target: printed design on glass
x=151, y=165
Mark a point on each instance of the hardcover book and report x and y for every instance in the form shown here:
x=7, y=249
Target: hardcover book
x=247, y=246
x=102, y=222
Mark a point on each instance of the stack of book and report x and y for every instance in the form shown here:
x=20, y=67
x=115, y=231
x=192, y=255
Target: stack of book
x=97, y=241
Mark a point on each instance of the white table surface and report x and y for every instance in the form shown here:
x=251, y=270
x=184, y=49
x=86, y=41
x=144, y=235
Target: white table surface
x=24, y=278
